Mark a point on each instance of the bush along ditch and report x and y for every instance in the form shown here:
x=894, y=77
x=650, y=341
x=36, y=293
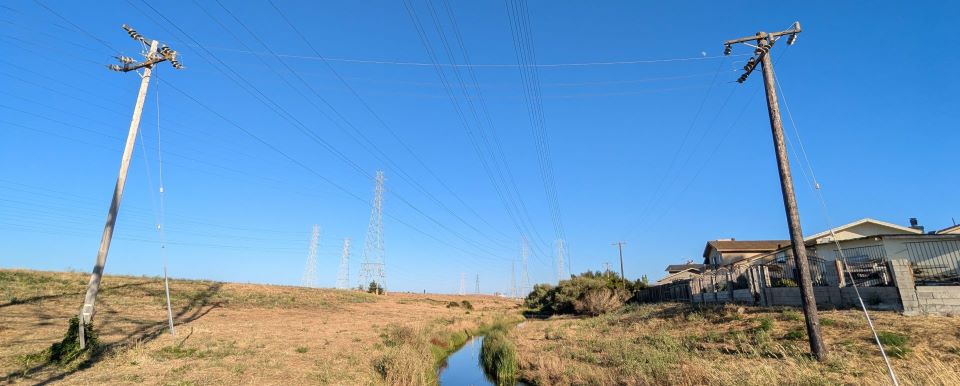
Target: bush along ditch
x=590, y=293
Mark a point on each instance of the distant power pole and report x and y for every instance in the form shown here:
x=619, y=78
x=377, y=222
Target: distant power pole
x=765, y=42
x=623, y=279
x=310, y=271
x=343, y=274
x=153, y=56
x=606, y=268
x=372, y=268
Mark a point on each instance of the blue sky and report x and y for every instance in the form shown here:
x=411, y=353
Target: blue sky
x=664, y=154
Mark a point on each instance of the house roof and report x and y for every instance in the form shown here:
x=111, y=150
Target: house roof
x=949, y=230
x=673, y=268
x=860, y=222
x=743, y=246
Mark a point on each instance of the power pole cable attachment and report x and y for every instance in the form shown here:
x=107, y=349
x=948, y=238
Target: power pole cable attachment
x=154, y=55
x=764, y=42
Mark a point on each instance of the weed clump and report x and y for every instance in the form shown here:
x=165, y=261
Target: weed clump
x=453, y=304
x=68, y=350
x=466, y=304
x=499, y=357
x=894, y=344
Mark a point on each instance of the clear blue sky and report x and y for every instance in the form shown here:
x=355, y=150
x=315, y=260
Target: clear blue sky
x=871, y=85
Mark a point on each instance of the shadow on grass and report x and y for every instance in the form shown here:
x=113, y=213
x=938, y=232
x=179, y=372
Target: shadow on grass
x=198, y=307
x=79, y=292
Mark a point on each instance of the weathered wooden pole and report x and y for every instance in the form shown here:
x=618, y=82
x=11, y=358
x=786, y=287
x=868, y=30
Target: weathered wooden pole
x=764, y=43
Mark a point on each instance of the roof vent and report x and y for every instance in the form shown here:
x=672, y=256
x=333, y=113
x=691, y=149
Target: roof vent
x=914, y=224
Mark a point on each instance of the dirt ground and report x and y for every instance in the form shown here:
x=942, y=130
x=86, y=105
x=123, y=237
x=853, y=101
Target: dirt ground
x=676, y=344
x=225, y=333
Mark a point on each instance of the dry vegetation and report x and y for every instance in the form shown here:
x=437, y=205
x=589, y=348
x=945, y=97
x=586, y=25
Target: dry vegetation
x=232, y=333
x=675, y=344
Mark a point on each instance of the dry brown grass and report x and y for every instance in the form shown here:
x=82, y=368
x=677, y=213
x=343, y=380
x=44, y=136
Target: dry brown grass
x=227, y=333
x=673, y=344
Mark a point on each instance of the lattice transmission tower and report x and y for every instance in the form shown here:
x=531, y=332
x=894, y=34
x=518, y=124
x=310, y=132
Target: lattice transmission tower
x=561, y=256
x=463, y=288
x=372, y=268
x=310, y=271
x=343, y=274
x=525, y=276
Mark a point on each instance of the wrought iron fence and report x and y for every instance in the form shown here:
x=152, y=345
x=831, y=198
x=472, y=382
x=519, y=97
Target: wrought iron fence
x=866, y=266
x=935, y=262
x=783, y=271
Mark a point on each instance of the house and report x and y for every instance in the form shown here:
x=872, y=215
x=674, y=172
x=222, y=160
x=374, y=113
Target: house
x=731, y=252
x=952, y=230
x=677, y=272
x=867, y=244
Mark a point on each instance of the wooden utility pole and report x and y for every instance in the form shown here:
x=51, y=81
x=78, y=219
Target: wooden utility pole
x=153, y=56
x=619, y=245
x=764, y=43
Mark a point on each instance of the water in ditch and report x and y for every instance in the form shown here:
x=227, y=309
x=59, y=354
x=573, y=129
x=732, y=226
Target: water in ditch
x=463, y=367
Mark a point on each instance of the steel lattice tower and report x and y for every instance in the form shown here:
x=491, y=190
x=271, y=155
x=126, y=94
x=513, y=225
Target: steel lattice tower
x=525, y=277
x=372, y=268
x=310, y=271
x=343, y=274
x=463, y=289
x=561, y=256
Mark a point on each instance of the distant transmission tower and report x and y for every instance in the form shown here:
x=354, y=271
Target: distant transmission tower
x=561, y=256
x=478, y=284
x=513, y=279
x=372, y=270
x=310, y=272
x=463, y=289
x=343, y=274
x=525, y=277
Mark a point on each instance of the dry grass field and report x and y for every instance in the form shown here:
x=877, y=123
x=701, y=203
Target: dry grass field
x=232, y=333
x=675, y=344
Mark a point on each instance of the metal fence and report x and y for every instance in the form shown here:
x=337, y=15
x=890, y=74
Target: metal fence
x=866, y=266
x=783, y=271
x=935, y=262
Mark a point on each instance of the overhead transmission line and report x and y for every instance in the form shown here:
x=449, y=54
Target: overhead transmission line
x=488, y=142
x=495, y=176
x=283, y=113
x=367, y=143
x=525, y=49
x=377, y=116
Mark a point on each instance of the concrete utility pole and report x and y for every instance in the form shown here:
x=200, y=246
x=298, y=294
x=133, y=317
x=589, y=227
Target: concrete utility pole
x=765, y=42
x=153, y=56
x=619, y=245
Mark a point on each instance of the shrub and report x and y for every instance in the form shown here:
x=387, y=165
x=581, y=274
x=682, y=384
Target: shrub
x=563, y=298
x=397, y=335
x=466, y=304
x=375, y=288
x=784, y=282
x=453, y=304
x=599, y=301
x=499, y=357
x=302, y=349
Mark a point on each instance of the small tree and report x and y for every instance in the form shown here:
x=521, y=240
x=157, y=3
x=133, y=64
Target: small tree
x=375, y=288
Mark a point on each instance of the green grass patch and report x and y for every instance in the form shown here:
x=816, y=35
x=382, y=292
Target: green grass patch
x=791, y=315
x=499, y=357
x=796, y=334
x=766, y=324
x=302, y=349
x=896, y=345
